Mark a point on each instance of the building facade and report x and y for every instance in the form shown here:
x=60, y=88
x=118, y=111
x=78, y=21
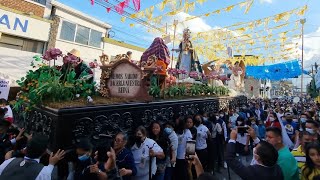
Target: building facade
x=30, y=27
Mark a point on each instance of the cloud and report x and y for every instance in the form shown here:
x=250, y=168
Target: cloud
x=266, y=1
x=311, y=55
x=311, y=47
x=195, y=25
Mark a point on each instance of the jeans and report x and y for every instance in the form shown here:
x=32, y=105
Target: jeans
x=158, y=176
x=168, y=173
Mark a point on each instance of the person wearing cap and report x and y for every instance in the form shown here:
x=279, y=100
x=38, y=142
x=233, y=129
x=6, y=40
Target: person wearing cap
x=29, y=168
x=81, y=69
x=83, y=151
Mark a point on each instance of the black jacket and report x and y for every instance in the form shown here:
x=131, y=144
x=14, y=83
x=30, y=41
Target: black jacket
x=254, y=172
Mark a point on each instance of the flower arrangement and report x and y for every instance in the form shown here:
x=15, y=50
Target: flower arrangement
x=52, y=83
x=194, y=74
x=93, y=64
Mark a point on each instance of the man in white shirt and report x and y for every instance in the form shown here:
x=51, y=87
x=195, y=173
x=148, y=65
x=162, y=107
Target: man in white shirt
x=29, y=168
x=233, y=118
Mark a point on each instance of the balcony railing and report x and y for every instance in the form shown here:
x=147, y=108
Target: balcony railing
x=43, y=2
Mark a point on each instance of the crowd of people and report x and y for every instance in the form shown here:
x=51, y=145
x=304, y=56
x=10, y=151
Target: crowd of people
x=264, y=139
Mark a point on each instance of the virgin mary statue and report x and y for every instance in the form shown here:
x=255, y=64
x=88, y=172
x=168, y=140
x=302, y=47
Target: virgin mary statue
x=188, y=59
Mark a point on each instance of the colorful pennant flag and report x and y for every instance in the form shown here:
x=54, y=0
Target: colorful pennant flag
x=136, y=4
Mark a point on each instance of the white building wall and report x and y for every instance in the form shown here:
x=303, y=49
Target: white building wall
x=35, y=29
x=75, y=19
x=87, y=53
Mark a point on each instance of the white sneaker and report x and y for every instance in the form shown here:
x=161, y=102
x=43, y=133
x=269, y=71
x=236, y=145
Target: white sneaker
x=225, y=165
x=237, y=154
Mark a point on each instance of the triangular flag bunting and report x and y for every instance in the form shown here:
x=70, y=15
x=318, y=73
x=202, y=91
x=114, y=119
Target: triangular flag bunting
x=122, y=4
x=229, y=8
x=108, y=9
x=136, y=4
x=248, y=6
x=119, y=9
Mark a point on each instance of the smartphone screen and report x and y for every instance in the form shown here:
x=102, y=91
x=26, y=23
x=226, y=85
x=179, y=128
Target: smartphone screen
x=242, y=129
x=190, y=148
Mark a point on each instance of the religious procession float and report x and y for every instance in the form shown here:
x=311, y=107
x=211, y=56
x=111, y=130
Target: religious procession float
x=66, y=103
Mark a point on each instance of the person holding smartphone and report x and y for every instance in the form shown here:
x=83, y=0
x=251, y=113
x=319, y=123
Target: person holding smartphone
x=242, y=141
x=201, y=142
x=184, y=135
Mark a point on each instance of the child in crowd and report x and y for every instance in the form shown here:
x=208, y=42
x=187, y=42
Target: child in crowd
x=262, y=130
x=8, y=111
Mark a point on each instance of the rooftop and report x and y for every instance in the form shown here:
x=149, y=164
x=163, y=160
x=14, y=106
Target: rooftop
x=79, y=14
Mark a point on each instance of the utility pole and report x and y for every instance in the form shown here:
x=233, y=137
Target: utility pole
x=175, y=23
x=302, y=21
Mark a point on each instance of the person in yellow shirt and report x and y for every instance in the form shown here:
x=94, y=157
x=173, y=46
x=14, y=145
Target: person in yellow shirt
x=299, y=153
x=311, y=169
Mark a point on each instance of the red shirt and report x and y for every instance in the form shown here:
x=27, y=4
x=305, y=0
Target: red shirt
x=273, y=124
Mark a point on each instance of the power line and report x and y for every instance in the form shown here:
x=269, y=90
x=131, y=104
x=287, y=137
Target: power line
x=128, y=15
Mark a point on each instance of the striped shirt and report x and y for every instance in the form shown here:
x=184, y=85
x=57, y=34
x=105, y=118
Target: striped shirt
x=300, y=156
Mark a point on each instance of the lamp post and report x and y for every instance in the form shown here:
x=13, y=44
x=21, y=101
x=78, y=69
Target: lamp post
x=302, y=21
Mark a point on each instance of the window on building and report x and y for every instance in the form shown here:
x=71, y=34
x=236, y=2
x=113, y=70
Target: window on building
x=95, y=38
x=23, y=44
x=80, y=34
x=43, y=2
x=68, y=31
x=83, y=34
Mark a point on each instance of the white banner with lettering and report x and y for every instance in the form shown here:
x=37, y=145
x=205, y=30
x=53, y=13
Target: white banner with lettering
x=20, y=25
x=4, y=88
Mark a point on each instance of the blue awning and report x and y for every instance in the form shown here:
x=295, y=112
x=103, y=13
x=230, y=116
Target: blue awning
x=275, y=72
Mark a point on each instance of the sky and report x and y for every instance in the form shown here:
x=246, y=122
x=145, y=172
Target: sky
x=139, y=36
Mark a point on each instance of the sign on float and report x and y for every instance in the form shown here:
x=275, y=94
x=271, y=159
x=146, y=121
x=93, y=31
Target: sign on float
x=4, y=88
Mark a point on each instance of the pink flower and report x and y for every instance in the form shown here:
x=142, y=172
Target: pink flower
x=205, y=77
x=174, y=71
x=193, y=74
x=52, y=53
x=55, y=52
x=93, y=64
x=70, y=59
x=183, y=71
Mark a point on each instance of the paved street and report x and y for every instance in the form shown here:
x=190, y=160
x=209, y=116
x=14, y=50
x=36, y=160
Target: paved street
x=223, y=175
